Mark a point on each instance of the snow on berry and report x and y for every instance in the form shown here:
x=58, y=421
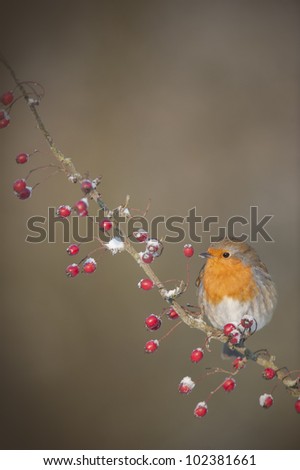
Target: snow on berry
x=115, y=245
x=89, y=266
x=227, y=329
x=124, y=212
x=19, y=185
x=153, y=322
x=22, y=158
x=188, y=250
x=196, y=355
x=154, y=247
x=269, y=373
x=151, y=346
x=25, y=193
x=63, y=211
x=186, y=385
x=266, y=400
x=73, y=249
x=297, y=405
x=172, y=314
x=7, y=98
x=146, y=284
x=200, y=410
x=235, y=337
x=140, y=235
x=171, y=294
x=72, y=270
x=229, y=384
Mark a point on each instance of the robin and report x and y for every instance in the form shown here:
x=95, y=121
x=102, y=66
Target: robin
x=234, y=282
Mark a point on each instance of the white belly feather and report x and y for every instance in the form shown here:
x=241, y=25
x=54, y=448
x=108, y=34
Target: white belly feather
x=232, y=310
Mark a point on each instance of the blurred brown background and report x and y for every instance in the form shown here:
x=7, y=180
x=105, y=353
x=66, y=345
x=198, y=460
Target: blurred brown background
x=190, y=103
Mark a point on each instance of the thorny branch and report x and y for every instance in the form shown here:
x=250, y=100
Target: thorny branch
x=264, y=359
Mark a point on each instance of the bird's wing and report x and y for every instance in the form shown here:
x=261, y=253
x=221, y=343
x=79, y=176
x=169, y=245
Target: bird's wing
x=200, y=277
x=200, y=289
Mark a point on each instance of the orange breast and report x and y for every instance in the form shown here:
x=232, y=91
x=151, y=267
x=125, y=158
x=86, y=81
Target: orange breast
x=231, y=279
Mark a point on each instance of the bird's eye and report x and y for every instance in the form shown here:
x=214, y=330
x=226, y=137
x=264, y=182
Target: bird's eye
x=226, y=254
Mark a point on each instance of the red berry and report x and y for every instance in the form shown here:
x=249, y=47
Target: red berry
x=229, y=384
x=146, y=284
x=19, y=185
x=235, y=337
x=105, y=224
x=89, y=266
x=4, y=122
x=63, y=211
x=200, y=410
x=188, y=250
x=266, y=400
x=196, y=355
x=25, y=193
x=2, y=114
x=227, y=329
x=297, y=405
x=140, y=235
x=87, y=186
x=172, y=314
x=154, y=247
x=269, y=373
x=238, y=363
x=147, y=257
x=73, y=249
x=22, y=158
x=151, y=346
x=72, y=270
x=247, y=321
x=186, y=385
x=81, y=207
x=153, y=322
x=7, y=98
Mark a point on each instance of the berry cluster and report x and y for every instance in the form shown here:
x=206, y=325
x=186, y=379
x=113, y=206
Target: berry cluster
x=89, y=265
x=82, y=205
x=6, y=99
x=34, y=93
x=154, y=322
x=21, y=190
x=237, y=332
x=153, y=249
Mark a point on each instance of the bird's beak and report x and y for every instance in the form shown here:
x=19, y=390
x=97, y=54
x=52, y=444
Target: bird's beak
x=205, y=255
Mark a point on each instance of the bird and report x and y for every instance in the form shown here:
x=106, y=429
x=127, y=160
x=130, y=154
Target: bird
x=234, y=282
